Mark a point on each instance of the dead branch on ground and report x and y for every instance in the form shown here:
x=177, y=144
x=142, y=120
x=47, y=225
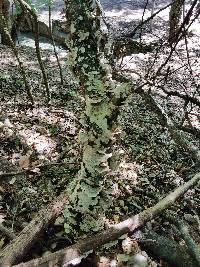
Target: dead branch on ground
x=7, y=232
x=79, y=250
x=168, y=250
x=15, y=251
x=193, y=249
x=167, y=122
x=179, y=137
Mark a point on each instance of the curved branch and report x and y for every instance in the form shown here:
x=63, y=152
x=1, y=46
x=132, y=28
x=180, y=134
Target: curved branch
x=131, y=34
x=167, y=122
x=182, y=96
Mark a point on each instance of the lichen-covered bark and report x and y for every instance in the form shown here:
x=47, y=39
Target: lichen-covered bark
x=174, y=19
x=89, y=66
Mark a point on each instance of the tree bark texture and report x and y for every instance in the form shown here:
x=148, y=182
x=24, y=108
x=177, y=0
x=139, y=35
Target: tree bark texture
x=193, y=248
x=5, y=12
x=102, y=100
x=174, y=19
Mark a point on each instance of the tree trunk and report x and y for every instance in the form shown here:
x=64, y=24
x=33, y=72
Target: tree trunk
x=5, y=12
x=102, y=100
x=174, y=19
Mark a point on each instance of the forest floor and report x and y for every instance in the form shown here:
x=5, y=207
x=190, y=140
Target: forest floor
x=39, y=148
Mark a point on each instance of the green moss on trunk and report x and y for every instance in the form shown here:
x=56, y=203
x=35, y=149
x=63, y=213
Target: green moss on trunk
x=89, y=66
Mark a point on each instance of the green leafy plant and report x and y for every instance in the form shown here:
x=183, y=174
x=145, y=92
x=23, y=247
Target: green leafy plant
x=72, y=93
x=19, y=83
x=53, y=129
x=18, y=143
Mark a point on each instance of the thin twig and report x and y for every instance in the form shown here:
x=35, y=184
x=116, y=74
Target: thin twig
x=54, y=46
x=132, y=33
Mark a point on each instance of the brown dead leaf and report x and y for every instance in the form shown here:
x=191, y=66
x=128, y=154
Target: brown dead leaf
x=24, y=161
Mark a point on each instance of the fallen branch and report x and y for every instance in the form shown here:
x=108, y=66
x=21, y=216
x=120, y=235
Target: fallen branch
x=168, y=250
x=31, y=170
x=167, y=122
x=77, y=251
x=193, y=249
x=164, y=119
x=14, y=252
x=10, y=174
x=7, y=232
